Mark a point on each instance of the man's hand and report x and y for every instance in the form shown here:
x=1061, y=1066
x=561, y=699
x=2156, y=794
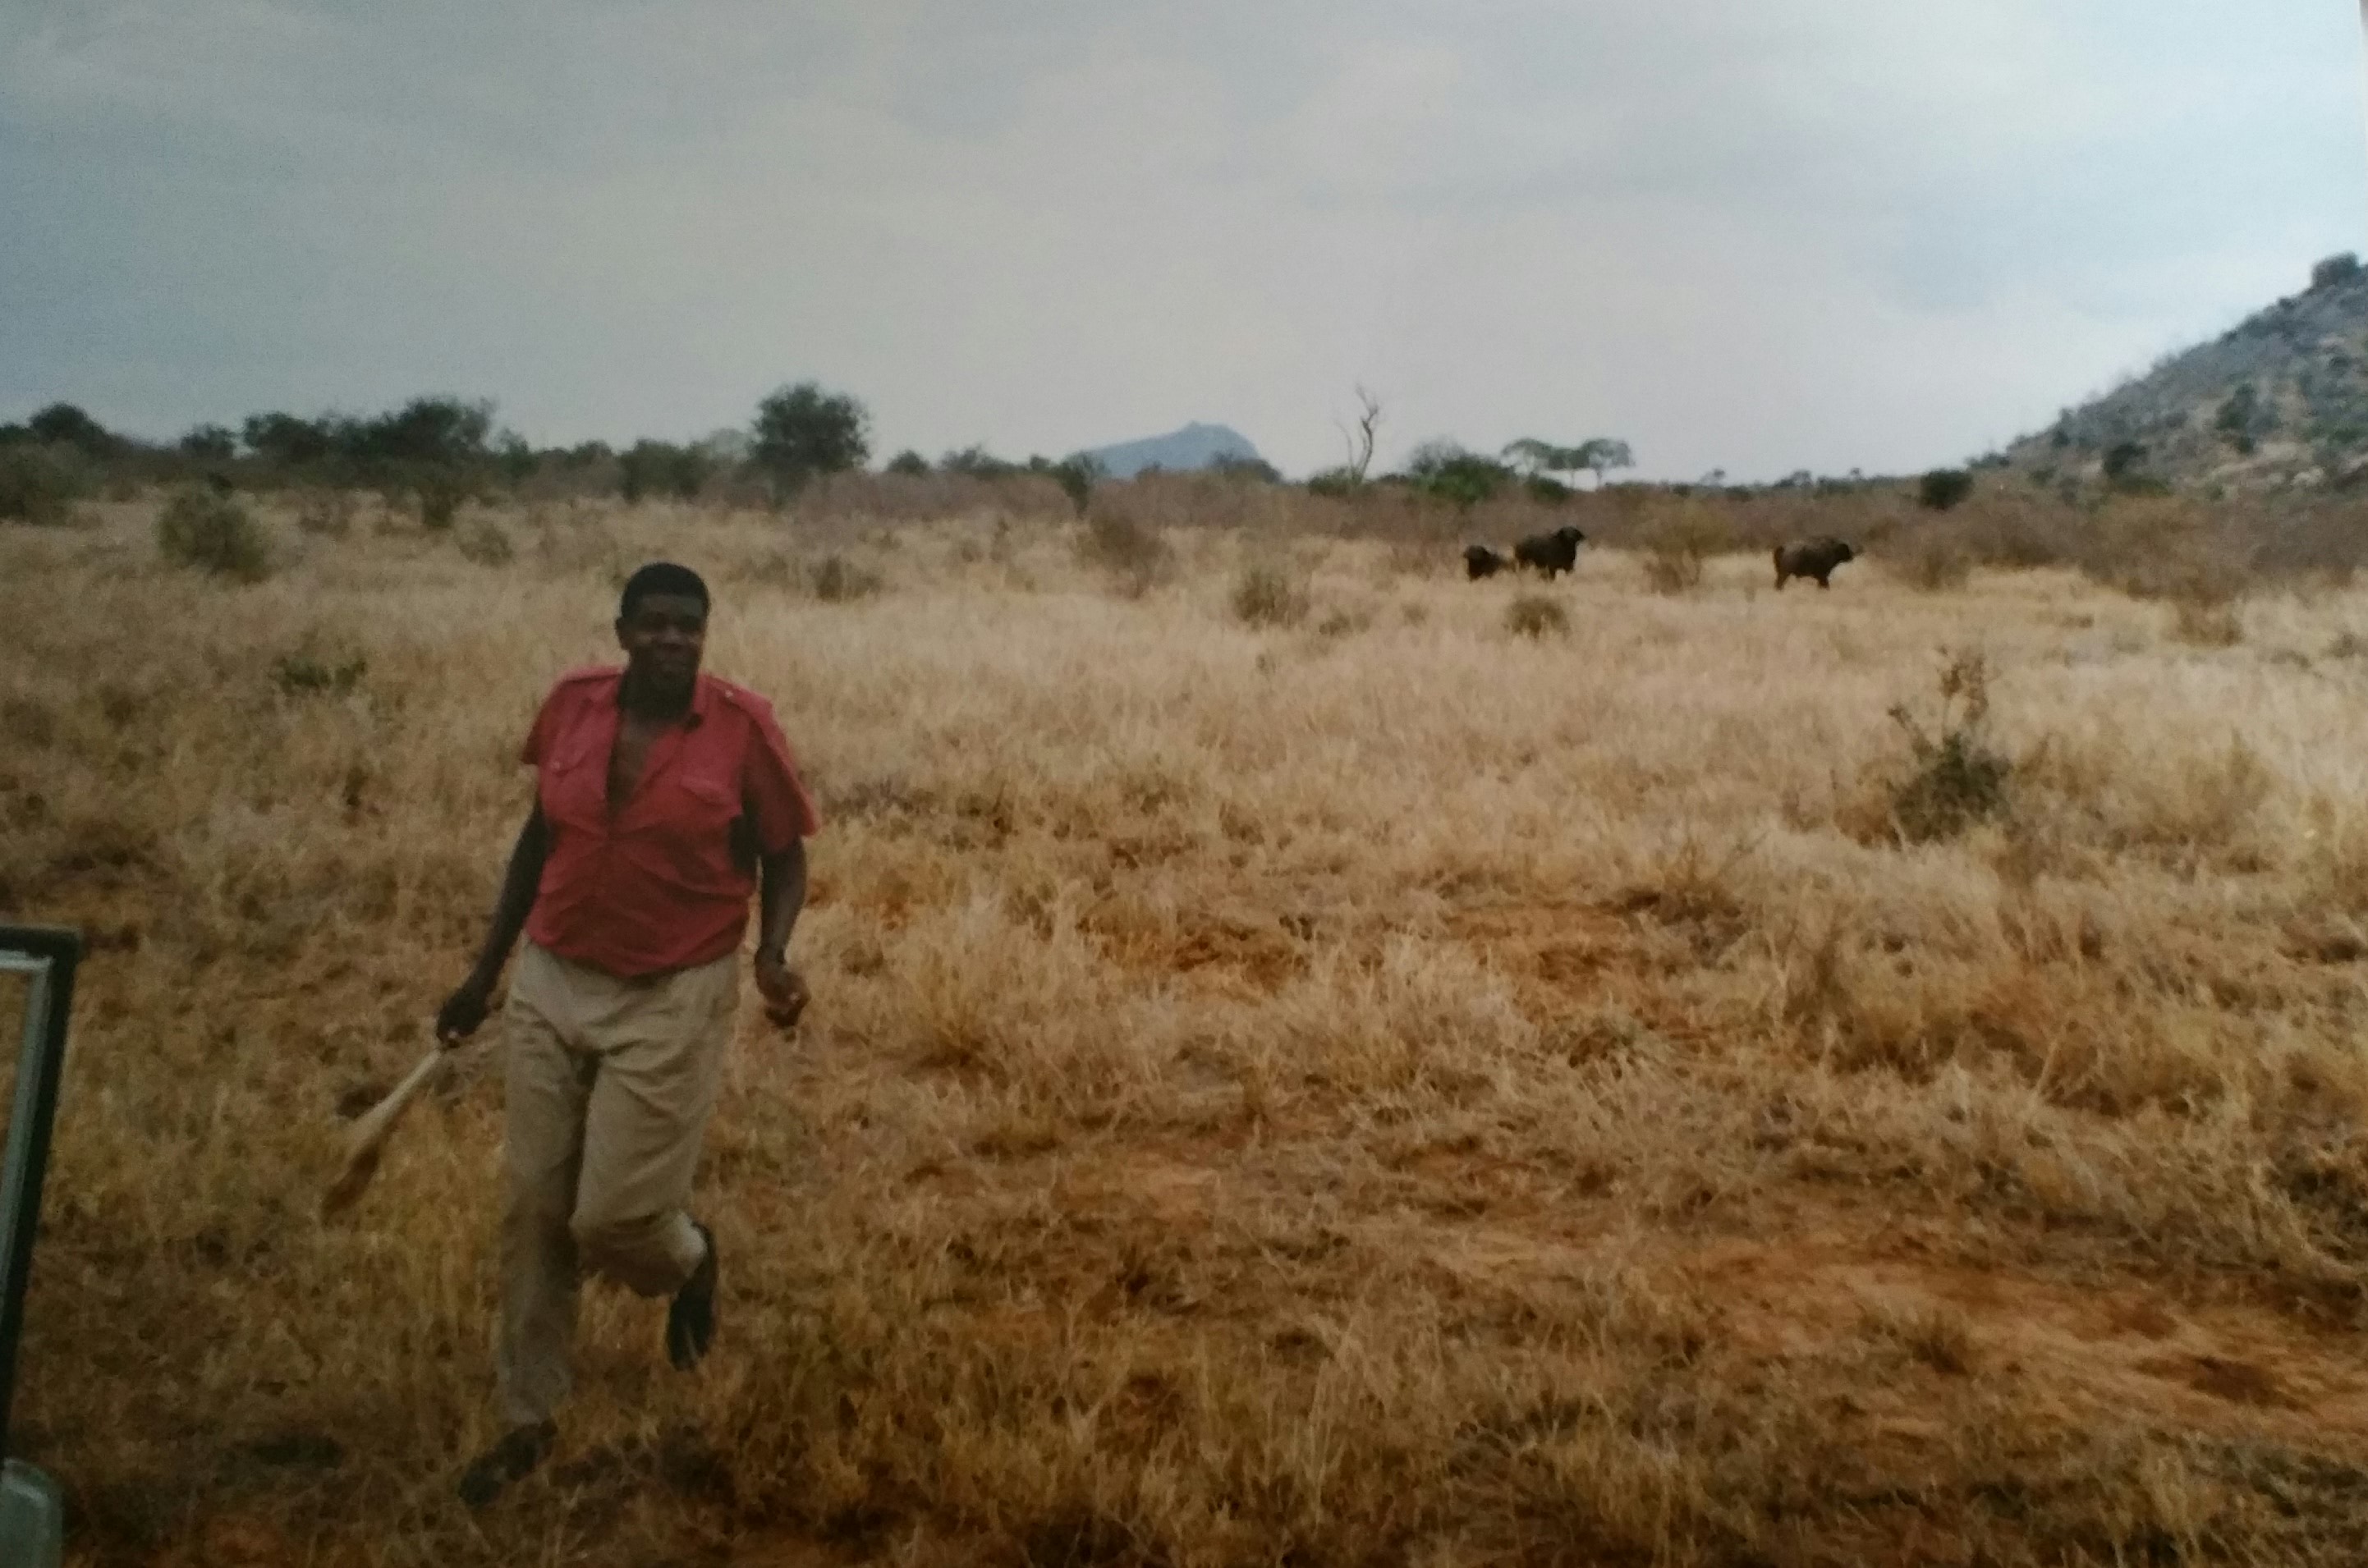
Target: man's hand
x=463, y=1011
x=784, y=992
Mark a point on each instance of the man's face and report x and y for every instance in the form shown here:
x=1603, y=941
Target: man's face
x=662, y=639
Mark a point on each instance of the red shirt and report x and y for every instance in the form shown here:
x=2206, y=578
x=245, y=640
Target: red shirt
x=663, y=882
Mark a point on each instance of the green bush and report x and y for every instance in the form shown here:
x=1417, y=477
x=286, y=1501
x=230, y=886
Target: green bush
x=1959, y=776
x=213, y=533
x=441, y=494
x=1264, y=594
x=1535, y=615
x=39, y=482
x=803, y=431
x=1943, y=488
x=1076, y=475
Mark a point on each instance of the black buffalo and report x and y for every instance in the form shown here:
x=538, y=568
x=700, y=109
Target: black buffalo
x=1479, y=561
x=1811, y=558
x=1550, y=554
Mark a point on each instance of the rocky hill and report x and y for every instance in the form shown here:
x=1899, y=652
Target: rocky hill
x=2281, y=401
x=1194, y=445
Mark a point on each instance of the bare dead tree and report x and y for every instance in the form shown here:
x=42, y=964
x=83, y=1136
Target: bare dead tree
x=1369, y=423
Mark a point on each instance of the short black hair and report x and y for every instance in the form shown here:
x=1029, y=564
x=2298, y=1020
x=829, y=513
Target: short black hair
x=661, y=577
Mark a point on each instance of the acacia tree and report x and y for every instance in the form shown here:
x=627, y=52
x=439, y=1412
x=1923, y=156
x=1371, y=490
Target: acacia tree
x=1601, y=455
x=803, y=432
x=1538, y=458
x=1533, y=456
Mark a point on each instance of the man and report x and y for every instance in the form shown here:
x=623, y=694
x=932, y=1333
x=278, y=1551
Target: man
x=662, y=796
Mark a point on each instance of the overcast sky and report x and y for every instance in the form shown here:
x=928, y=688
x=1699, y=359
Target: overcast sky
x=1822, y=233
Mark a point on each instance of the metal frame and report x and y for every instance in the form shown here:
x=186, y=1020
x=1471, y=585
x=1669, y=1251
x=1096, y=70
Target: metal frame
x=48, y=957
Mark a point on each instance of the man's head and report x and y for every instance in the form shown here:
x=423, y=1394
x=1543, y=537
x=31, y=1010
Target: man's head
x=662, y=627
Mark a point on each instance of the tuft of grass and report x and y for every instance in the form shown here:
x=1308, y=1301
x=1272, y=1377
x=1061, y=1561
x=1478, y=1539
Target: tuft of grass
x=1536, y=614
x=311, y=672
x=486, y=543
x=213, y=533
x=1266, y=594
x=1343, y=623
x=2206, y=624
x=1938, y=1336
x=837, y=580
x=1959, y=776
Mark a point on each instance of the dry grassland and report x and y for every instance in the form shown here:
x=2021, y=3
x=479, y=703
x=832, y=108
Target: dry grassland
x=1380, y=1088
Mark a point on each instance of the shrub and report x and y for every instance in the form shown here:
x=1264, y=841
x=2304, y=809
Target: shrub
x=1959, y=776
x=1136, y=555
x=39, y=482
x=441, y=494
x=803, y=431
x=1462, y=479
x=484, y=543
x=1535, y=615
x=329, y=513
x=1264, y=594
x=1943, y=488
x=1933, y=563
x=662, y=468
x=837, y=580
x=1677, y=546
x=1076, y=475
x=1343, y=623
x=2335, y=271
x=213, y=533
x=2206, y=624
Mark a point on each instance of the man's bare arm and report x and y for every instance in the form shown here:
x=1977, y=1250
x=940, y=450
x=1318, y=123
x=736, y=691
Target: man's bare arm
x=782, y=893
x=466, y=1009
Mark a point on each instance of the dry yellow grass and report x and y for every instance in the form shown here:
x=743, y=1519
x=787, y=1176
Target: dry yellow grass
x=1380, y=1089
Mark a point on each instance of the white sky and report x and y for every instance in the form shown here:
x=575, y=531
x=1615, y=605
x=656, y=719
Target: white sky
x=1759, y=238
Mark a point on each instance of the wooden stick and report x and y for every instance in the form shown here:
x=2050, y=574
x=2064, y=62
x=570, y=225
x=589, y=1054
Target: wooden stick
x=369, y=1138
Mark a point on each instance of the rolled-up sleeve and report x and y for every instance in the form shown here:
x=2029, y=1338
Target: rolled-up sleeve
x=777, y=800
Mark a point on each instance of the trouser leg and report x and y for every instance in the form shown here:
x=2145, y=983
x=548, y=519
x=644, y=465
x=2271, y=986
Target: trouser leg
x=546, y=1086
x=661, y=1065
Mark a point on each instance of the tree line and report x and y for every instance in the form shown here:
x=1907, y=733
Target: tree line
x=443, y=450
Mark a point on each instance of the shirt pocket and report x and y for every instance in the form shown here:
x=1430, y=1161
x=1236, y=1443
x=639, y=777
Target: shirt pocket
x=694, y=832
x=710, y=799
x=574, y=786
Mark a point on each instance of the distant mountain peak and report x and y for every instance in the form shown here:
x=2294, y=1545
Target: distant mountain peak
x=1195, y=446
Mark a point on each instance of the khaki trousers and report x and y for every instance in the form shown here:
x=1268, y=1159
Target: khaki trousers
x=608, y=1085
